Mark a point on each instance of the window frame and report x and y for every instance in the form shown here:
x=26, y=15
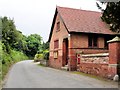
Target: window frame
x=56, y=44
x=105, y=42
x=58, y=26
x=92, y=41
x=89, y=41
x=95, y=41
x=55, y=54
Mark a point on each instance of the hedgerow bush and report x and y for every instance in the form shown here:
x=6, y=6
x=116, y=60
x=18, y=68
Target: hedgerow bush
x=9, y=59
x=38, y=57
x=46, y=55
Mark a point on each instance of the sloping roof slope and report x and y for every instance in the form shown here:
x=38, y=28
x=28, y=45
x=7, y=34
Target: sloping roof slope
x=77, y=20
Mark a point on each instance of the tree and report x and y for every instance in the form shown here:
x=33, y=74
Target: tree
x=11, y=37
x=8, y=33
x=111, y=15
x=45, y=45
x=14, y=39
x=33, y=43
x=20, y=44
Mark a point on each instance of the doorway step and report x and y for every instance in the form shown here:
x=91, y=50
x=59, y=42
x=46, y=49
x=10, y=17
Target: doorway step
x=65, y=68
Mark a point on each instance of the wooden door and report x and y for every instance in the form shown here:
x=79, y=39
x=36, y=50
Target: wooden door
x=65, y=51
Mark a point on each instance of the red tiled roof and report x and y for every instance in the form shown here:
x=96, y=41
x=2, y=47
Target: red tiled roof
x=77, y=20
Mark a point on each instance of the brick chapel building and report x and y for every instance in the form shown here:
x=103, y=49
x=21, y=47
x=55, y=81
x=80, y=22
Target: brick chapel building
x=75, y=30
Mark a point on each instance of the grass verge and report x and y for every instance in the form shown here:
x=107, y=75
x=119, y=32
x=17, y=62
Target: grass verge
x=41, y=65
x=91, y=76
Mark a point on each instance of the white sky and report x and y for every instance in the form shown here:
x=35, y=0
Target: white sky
x=35, y=16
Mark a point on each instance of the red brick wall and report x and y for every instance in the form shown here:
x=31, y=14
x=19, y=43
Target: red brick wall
x=60, y=35
x=104, y=65
x=81, y=41
x=95, y=64
x=114, y=55
x=114, y=51
x=118, y=68
x=94, y=69
x=88, y=51
x=55, y=63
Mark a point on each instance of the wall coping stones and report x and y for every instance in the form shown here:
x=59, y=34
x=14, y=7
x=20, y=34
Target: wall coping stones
x=116, y=39
x=114, y=65
x=96, y=55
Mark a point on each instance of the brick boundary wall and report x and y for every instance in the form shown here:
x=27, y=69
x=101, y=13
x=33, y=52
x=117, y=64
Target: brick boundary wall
x=105, y=64
x=95, y=64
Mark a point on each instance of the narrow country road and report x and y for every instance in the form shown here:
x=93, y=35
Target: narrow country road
x=27, y=74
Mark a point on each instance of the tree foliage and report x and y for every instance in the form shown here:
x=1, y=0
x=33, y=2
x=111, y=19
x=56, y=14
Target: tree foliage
x=14, y=39
x=15, y=46
x=111, y=15
x=11, y=37
x=33, y=43
x=43, y=51
x=9, y=50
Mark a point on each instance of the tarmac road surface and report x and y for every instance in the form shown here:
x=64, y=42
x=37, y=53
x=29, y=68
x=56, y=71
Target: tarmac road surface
x=27, y=74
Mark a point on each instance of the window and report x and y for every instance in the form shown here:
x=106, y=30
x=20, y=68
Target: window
x=55, y=54
x=56, y=44
x=105, y=42
x=58, y=26
x=92, y=41
x=107, y=38
x=95, y=41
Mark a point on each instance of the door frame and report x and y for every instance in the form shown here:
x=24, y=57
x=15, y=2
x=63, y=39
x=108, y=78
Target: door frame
x=65, y=51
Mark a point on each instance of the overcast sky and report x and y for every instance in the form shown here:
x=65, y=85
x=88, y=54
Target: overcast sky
x=35, y=16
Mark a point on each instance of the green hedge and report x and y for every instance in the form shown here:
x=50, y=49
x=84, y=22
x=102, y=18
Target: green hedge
x=46, y=55
x=38, y=57
x=41, y=56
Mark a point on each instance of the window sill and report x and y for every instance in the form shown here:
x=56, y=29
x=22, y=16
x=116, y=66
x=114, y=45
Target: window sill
x=58, y=30
x=92, y=47
x=96, y=48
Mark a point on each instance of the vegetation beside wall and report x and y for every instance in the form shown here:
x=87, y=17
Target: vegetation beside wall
x=42, y=54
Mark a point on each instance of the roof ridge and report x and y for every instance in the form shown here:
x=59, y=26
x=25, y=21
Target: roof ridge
x=77, y=9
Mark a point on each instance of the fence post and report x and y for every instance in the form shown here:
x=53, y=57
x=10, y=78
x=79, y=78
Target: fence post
x=114, y=58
